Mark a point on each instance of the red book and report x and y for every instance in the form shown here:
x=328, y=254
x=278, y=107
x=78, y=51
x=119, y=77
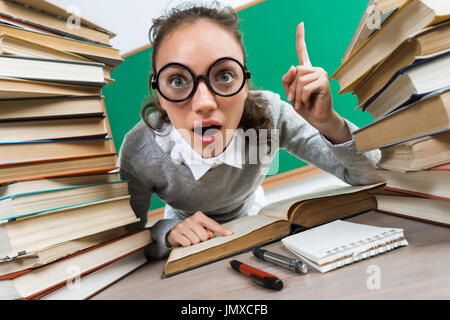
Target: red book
x=421, y=195
x=433, y=183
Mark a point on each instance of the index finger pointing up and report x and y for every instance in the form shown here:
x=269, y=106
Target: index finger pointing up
x=302, y=52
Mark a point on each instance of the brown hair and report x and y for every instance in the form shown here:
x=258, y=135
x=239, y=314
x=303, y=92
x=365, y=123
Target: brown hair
x=254, y=115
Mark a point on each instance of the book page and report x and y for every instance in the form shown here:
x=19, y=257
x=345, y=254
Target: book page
x=240, y=227
x=279, y=209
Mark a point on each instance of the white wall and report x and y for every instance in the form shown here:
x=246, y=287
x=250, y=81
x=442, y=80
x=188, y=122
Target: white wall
x=129, y=19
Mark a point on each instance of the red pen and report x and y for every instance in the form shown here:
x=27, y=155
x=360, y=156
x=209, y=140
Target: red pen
x=262, y=278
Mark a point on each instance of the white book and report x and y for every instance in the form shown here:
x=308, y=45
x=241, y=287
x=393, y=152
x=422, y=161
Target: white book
x=94, y=282
x=54, y=70
x=339, y=243
x=422, y=209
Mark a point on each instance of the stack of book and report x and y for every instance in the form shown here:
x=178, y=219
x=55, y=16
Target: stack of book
x=376, y=13
x=64, y=211
x=401, y=77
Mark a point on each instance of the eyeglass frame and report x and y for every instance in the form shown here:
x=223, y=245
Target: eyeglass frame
x=154, y=79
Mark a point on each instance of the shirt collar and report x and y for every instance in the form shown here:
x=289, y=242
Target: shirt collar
x=199, y=166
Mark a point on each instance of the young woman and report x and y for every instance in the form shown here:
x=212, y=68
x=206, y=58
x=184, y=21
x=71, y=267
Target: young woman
x=203, y=99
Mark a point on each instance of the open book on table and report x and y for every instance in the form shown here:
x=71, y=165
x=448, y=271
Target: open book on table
x=274, y=222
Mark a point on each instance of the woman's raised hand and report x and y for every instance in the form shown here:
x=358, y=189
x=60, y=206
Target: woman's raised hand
x=308, y=90
x=195, y=229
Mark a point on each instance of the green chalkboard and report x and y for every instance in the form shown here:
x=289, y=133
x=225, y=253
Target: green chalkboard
x=269, y=38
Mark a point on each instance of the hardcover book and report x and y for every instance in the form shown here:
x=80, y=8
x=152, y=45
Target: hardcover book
x=412, y=17
x=31, y=283
x=425, y=117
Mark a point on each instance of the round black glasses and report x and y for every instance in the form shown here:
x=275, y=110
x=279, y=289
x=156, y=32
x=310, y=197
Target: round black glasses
x=177, y=83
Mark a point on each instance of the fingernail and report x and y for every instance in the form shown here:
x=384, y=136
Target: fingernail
x=292, y=68
x=297, y=106
x=229, y=232
x=290, y=96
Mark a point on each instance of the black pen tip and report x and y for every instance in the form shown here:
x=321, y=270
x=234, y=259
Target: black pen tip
x=259, y=253
x=235, y=264
x=273, y=283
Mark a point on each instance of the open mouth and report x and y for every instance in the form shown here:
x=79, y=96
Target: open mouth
x=207, y=131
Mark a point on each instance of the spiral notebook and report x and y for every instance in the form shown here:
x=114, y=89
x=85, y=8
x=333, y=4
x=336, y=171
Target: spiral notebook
x=339, y=243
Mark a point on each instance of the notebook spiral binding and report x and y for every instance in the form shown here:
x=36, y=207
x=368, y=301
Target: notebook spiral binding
x=345, y=254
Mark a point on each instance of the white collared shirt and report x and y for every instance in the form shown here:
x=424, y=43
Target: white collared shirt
x=182, y=153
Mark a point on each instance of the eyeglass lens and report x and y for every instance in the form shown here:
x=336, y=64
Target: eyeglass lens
x=226, y=78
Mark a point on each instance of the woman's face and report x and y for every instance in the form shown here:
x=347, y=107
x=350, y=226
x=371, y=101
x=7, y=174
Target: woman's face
x=198, y=45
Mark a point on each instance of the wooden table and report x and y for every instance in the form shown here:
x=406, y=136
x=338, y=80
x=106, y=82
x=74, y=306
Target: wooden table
x=417, y=271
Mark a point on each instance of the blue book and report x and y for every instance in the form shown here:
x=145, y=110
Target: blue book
x=15, y=206
x=410, y=84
